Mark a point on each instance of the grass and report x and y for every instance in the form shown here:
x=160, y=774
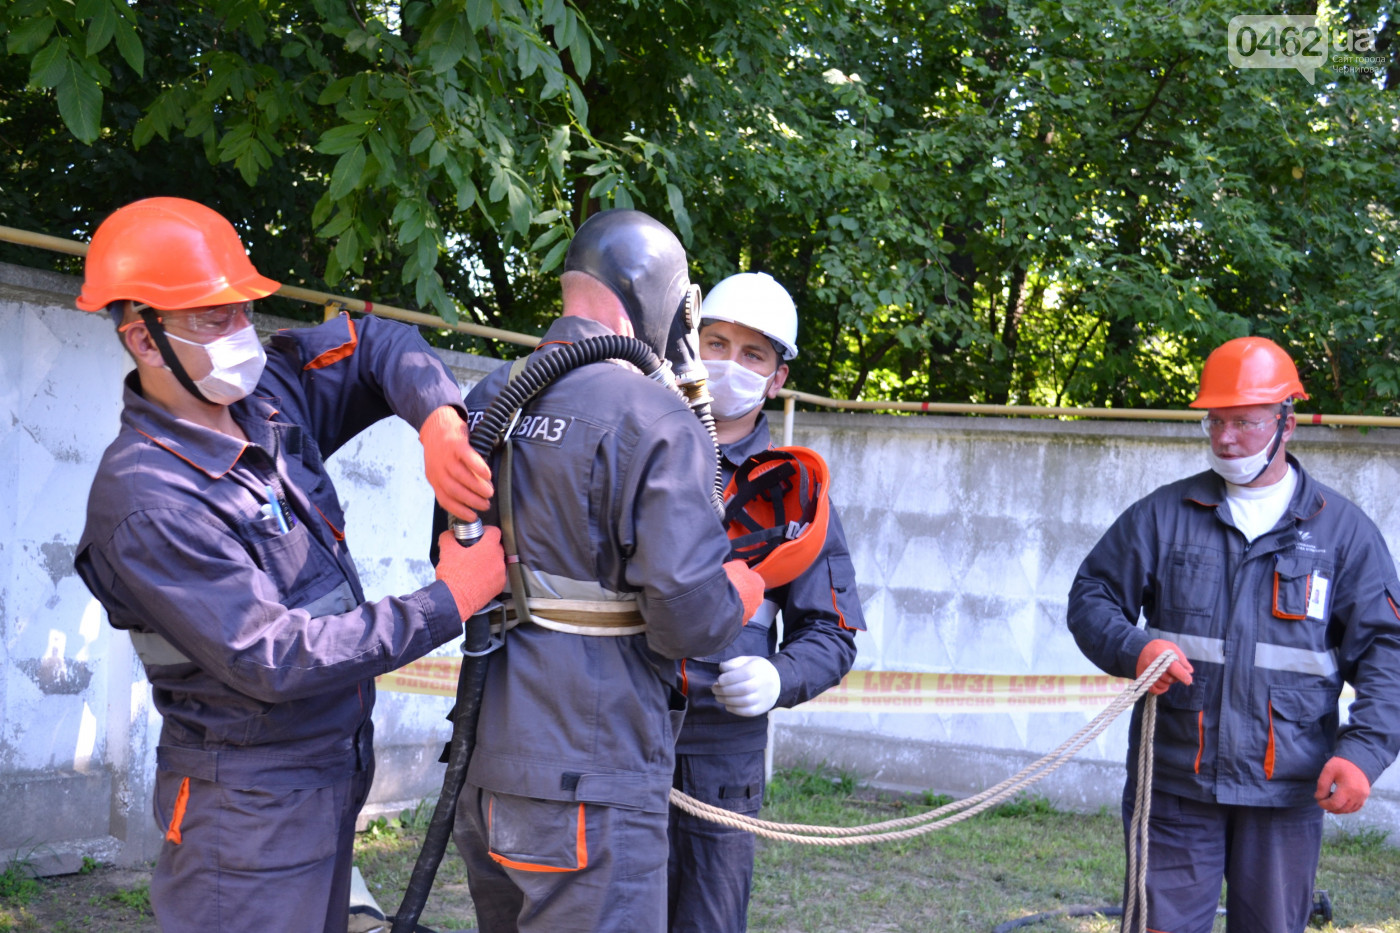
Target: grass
x=1021, y=858
x=138, y=898
x=18, y=889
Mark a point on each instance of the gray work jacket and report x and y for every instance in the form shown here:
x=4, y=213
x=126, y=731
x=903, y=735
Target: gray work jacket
x=611, y=490
x=1272, y=627
x=821, y=614
x=258, y=643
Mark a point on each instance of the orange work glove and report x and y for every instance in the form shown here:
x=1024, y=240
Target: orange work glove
x=475, y=574
x=461, y=480
x=1179, y=671
x=1351, y=787
x=748, y=583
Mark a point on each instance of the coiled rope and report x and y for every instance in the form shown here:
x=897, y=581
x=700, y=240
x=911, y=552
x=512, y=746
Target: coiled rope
x=949, y=814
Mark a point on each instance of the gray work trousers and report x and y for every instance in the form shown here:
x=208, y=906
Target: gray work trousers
x=711, y=866
x=1266, y=856
x=551, y=866
x=261, y=861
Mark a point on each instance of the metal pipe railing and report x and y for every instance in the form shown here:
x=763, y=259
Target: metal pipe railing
x=790, y=397
x=74, y=248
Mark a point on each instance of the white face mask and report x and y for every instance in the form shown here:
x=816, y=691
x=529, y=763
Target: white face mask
x=1242, y=470
x=736, y=390
x=236, y=362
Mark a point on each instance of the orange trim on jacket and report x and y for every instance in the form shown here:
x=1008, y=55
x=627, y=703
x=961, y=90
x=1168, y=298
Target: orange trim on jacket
x=336, y=354
x=339, y=535
x=169, y=449
x=1269, y=749
x=1307, y=594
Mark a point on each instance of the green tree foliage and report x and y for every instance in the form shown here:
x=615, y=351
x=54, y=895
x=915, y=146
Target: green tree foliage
x=1053, y=203
x=1036, y=202
x=403, y=148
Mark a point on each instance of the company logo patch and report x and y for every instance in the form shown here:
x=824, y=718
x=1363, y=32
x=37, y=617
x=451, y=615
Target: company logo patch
x=542, y=429
x=539, y=429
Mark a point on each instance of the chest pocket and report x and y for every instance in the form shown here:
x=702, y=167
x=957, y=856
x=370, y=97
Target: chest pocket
x=301, y=570
x=1192, y=579
x=1301, y=589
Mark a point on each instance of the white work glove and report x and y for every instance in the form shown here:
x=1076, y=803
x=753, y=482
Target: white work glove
x=747, y=685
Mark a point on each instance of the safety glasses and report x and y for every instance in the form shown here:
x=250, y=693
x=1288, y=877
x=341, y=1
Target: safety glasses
x=1213, y=426
x=215, y=321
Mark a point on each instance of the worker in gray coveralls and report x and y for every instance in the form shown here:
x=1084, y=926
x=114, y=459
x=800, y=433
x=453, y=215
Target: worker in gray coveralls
x=622, y=557
x=748, y=332
x=215, y=538
x=1273, y=591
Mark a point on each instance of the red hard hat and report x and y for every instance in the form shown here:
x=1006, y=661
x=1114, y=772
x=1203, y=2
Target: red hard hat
x=1248, y=371
x=776, y=512
x=171, y=254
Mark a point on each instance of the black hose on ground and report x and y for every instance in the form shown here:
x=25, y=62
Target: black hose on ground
x=470, y=682
x=542, y=370
x=1076, y=911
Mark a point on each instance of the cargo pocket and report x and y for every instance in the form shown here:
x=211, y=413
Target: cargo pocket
x=1301, y=723
x=845, y=596
x=537, y=835
x=1181, y=732
x=1193, y=578
x=676, y=707
x=274, y=830
x=1292, y=586
x=172, y=798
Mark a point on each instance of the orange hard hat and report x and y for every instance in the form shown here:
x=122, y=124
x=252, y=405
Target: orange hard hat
x=776, y=512
x=171, y=254
x=1248, y=371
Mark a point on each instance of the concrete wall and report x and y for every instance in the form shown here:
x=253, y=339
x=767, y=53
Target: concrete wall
x=966, y=534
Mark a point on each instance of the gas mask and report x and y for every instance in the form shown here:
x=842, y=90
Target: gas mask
x=236, y=362
x=644, y=264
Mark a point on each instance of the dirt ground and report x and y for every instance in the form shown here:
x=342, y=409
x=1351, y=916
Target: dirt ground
x=110, y=900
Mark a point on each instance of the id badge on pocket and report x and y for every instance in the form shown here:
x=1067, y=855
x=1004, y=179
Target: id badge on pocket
x=1317, y=596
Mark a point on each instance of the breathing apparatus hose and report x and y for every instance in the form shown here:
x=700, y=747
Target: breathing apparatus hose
x=542, y=370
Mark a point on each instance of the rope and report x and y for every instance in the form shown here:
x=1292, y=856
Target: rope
x=1135, y=901
x=956, y=812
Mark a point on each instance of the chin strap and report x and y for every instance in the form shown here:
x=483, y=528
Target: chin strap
x=1277, y=443
x=167, y=352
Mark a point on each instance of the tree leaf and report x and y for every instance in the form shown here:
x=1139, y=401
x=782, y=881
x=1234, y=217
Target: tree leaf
x=345, y=177
x=480, y=13
x=553, y=257
x=101, y=28
x=48, y=67
x=676, y=200
x=29, y=34
x=80, y=102
x=340, y=139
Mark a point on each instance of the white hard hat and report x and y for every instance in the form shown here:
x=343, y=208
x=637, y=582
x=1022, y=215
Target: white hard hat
x=755, y=300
